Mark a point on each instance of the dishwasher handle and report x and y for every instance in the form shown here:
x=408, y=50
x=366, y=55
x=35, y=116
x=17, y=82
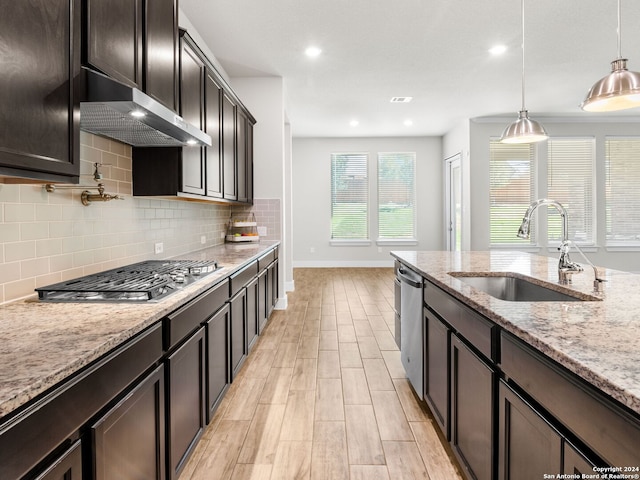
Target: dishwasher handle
x=405, y=277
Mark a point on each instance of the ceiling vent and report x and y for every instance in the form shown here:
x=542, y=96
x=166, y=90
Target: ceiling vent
x=401, y=99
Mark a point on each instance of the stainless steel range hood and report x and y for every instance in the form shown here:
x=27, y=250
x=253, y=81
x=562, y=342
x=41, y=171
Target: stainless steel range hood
x=112, y=109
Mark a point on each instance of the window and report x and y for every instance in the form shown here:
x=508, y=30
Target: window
x=349, y=196
x=622, y=160
x=396, y=196
x=511, y=190
x=570, y=181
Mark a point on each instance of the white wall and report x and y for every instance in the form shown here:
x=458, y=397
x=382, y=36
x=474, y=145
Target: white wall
x=480, y=134
x=311, y=200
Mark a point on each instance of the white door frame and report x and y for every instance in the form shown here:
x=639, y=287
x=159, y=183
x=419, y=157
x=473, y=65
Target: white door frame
x=451, y=222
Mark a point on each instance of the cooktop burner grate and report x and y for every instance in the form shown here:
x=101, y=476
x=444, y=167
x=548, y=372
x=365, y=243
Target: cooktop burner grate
x=144, y=281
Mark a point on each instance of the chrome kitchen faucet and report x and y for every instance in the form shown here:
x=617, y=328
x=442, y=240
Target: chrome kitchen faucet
x=566, y=267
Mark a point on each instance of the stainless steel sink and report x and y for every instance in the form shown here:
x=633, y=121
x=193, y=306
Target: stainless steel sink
x=507, y=286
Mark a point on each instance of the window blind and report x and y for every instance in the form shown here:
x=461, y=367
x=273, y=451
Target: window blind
x=570, y=180
x=622, y=191
x=396, y=195
x=511, y=190
x=349, y=196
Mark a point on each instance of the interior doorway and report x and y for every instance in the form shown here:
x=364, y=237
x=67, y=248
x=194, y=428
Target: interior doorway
x=453, y=203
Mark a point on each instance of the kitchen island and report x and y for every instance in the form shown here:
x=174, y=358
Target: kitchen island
x=534, y=353
x=45, y=344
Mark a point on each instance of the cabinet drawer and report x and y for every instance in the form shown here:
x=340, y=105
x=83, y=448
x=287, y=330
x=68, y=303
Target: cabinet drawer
x=606, y=428
x=266, y=259
x=186, y=319
x=28, y=438
x=239, y=279
x=476, y=329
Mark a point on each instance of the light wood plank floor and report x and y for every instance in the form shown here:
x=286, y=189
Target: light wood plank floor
x=323, y=394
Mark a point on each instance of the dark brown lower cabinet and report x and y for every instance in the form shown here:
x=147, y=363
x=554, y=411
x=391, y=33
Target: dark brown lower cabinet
x=67, y=467
x=437, y=370
x=218, y=375
x=129, y=440
x=529, y=446
x=472, y=418
x=252, y=313
x=272, y=286
x=186, y=400
x=238, y=306
x=262, y=300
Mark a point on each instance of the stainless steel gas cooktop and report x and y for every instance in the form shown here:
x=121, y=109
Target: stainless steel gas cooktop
x=140, y=282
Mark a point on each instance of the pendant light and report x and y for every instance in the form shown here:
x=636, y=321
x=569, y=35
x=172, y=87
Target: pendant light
x=524, y=129
x=617, y=91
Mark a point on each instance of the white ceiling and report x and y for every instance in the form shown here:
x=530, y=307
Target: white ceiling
x=435, y=51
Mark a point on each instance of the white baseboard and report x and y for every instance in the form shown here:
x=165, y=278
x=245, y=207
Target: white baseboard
x=342, y=263
x=282, y=303
x=290, y=286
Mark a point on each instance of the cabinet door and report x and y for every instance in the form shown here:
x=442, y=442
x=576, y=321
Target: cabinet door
x=249, y=173
x=67, y=467
x=262, y=300
x=437, y=370
x=128, y=441
x=114, y=39
x=529, y=446
x=472, y=385
x=213, y=92
x=241, y=155
x=238, y=331
x=575, y=463
x=161, y=54
x=229, y=148
x=40, y=108
x=218, y=375
x=191, y=108
x=186, y=400
x=252, y=312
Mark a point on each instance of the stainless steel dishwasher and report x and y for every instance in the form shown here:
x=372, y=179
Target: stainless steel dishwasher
x=411, y=334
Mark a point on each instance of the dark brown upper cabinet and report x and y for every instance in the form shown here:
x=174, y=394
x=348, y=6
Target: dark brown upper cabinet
x=113, y=39
x=161, y=52
x=222, y=172
x=192, y=72
x=135, y=42
x=229, y=163
x=214, y=173
x=40, y=81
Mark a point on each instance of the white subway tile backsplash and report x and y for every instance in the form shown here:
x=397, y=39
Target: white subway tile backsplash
x=34, y=231
x=48, y=247
x=9, y=232
x=16, y=212
x=19, y=251
x=33, y=268
x=9, y=193
x=10, y=272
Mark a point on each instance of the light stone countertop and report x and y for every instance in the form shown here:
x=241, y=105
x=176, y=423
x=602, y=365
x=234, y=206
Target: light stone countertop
x=43, y=343
x=597, y=340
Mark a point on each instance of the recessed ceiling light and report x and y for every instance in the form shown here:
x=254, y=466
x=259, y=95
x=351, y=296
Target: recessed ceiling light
x=312, y=52
x=408, y=122
x=498, y=49
x=354, y=123
x=401, y=99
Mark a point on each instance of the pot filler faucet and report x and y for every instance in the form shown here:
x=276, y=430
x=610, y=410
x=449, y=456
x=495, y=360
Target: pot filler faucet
x=566, y=267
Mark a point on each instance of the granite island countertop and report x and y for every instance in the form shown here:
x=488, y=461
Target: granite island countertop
x=43, y=343
x=597, y=340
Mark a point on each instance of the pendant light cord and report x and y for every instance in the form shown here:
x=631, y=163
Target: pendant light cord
x=619, y=32
x=523, y=53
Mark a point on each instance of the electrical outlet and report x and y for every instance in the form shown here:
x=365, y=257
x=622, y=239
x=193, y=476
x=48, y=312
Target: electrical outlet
x=222, y=234
x=159, y=247
x=203, y=239
x=379, y=249
x=262, y=231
